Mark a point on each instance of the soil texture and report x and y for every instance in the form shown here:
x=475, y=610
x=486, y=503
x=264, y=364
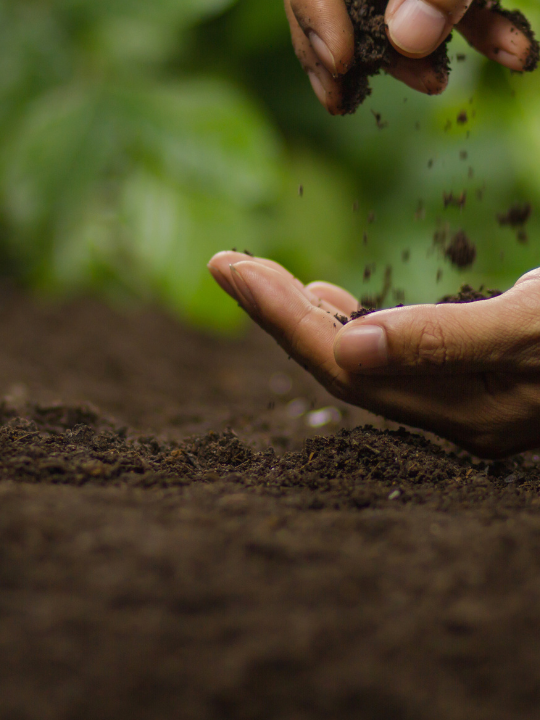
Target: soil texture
x=191, y=528
x=468, y=294
x=516, y=216
x=460, y=250
x=374, y=53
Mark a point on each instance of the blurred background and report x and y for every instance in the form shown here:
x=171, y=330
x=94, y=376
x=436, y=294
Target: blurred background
x=138, y=138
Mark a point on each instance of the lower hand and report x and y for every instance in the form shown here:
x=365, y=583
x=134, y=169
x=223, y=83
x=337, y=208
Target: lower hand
x=323, y=39
x=468, y=372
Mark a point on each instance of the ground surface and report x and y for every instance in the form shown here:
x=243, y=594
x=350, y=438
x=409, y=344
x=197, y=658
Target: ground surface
x=155, y=565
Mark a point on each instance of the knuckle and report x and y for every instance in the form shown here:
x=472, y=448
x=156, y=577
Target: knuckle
x=432, y=347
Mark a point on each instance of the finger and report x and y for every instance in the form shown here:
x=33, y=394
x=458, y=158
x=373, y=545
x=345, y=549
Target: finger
x=327, y=26
x=497, y=37
x=325, y=87
x=304, y=331
x=419, y=74
x=220, y=268
x=501, y=335
x=417, y=27
x=336, y=296
x=461, y=411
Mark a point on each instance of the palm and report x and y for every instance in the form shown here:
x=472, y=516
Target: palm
x=488, y=407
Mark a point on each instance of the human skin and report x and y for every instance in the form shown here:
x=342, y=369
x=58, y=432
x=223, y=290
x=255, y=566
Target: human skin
x=468, y=372
x=323, y=39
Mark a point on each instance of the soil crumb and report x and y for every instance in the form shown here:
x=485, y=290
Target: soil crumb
x=381, y=124
x=461, y=251
x=455, y=200
x=516, y=216
x=468, y=294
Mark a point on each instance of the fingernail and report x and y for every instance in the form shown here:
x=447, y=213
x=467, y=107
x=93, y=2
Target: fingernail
x=417, y=27
x=221, y=280
x=508, y=60
x=362, y=347
x=323, y=52
x=244, y=294
x=318, y=88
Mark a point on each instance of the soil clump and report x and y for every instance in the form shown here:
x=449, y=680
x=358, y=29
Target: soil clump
x=516, y=216
x=171, y=545
x=374, y=53
x=460, y=250
x=468, y=294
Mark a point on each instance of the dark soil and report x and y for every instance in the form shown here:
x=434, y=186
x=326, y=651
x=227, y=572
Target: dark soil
x=374, y=53
x=468, y=294
x=516, y=216
x=455, y=200
x=155, y=564
x=460, y=250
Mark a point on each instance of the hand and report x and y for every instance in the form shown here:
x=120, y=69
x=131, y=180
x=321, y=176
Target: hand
x=468, y=372
x=323, y=39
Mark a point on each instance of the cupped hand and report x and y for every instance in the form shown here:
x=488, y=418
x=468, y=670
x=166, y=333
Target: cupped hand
x=468, y=372
x=323, y=39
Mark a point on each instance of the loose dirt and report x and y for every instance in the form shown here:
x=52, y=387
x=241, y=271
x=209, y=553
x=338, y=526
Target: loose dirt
x=460, y=250
x=374, y=53
x=516, y=216
x=155, y=564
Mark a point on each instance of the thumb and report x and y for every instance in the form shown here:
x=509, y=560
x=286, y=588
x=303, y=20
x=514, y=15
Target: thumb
x=417, y=27
x=500, y=334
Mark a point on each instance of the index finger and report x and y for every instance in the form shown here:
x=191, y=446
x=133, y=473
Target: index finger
x=328, y=27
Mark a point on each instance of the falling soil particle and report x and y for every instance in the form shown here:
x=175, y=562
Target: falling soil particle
x=463, y=155
x=455, y=200
x=371, y=217
x=430, y=163
x=301, y=190
x=462, y=118
x=378, y=120
x=378, y=300
x=516, y=216
x=522, y=237
x=368, y=270
x=460, y=251
x=405, y=255
x=460, y=57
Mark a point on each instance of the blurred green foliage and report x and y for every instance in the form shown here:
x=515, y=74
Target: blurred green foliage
x=139, y=138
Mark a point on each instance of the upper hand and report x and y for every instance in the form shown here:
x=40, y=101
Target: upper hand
x=468, y=372
x=323, y=39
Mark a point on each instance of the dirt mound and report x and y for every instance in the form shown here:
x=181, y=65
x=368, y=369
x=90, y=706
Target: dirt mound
x=263, y=571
